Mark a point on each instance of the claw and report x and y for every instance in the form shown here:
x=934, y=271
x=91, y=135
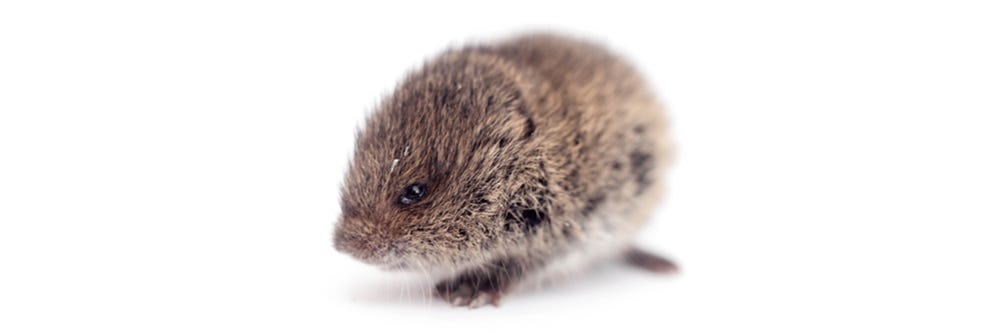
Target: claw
x=490, y=297
x=464, y=294
x=495, y=299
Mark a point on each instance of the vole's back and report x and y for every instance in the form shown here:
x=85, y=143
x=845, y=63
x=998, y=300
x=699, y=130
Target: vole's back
x=605, y=130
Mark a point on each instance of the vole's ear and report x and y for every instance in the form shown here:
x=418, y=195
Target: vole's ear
x=509, y=116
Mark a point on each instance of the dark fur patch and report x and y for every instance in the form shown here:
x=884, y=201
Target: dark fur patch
x=592, y=204
x=529, y=124
x=533, y=218
x=479, y=198
x=530, y=128
x=639, y=159
x=525, y=218
x=642, y=164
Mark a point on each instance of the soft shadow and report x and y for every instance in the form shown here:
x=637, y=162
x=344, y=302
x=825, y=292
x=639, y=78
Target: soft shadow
x=399, y=289
x=396, y=289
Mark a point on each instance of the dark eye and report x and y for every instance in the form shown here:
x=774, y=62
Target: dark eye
x=413, y=193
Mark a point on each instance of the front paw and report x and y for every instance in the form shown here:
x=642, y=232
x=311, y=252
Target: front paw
x=483, y=285
x=470, y=291
x=466, y=295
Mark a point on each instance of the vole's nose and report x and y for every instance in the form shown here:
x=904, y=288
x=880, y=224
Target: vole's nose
x=339, y=239
x=359, y=246
x=370, y=248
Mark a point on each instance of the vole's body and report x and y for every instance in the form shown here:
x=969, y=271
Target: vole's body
x=507, y=162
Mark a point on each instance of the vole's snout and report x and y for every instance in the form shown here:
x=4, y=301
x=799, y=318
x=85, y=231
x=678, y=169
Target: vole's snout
x=371, y=248
x=339, y=239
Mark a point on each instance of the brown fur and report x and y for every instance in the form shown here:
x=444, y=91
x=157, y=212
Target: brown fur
x=530, y=149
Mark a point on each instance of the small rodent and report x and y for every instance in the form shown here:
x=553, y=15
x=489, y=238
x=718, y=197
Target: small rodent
x=498, y=164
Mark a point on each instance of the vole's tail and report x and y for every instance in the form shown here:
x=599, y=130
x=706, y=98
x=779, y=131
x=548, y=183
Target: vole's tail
x=650, y=262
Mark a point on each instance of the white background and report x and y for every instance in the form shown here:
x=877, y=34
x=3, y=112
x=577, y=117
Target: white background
x=174, y=166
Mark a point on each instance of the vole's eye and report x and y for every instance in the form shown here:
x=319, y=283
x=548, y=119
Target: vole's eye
x=413, y=193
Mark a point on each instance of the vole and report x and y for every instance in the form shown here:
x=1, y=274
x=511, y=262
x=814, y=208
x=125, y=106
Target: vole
x=498, y=164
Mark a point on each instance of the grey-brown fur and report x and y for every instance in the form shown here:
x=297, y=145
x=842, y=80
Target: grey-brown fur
x=532, y=150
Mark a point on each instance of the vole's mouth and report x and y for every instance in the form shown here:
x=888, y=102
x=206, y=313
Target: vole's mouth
x=368, y=249
x=377, y=258
x=381, y=257
x=387, y=256
x=382, y=262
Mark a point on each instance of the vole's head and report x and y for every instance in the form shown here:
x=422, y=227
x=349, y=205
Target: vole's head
x=444, y=173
